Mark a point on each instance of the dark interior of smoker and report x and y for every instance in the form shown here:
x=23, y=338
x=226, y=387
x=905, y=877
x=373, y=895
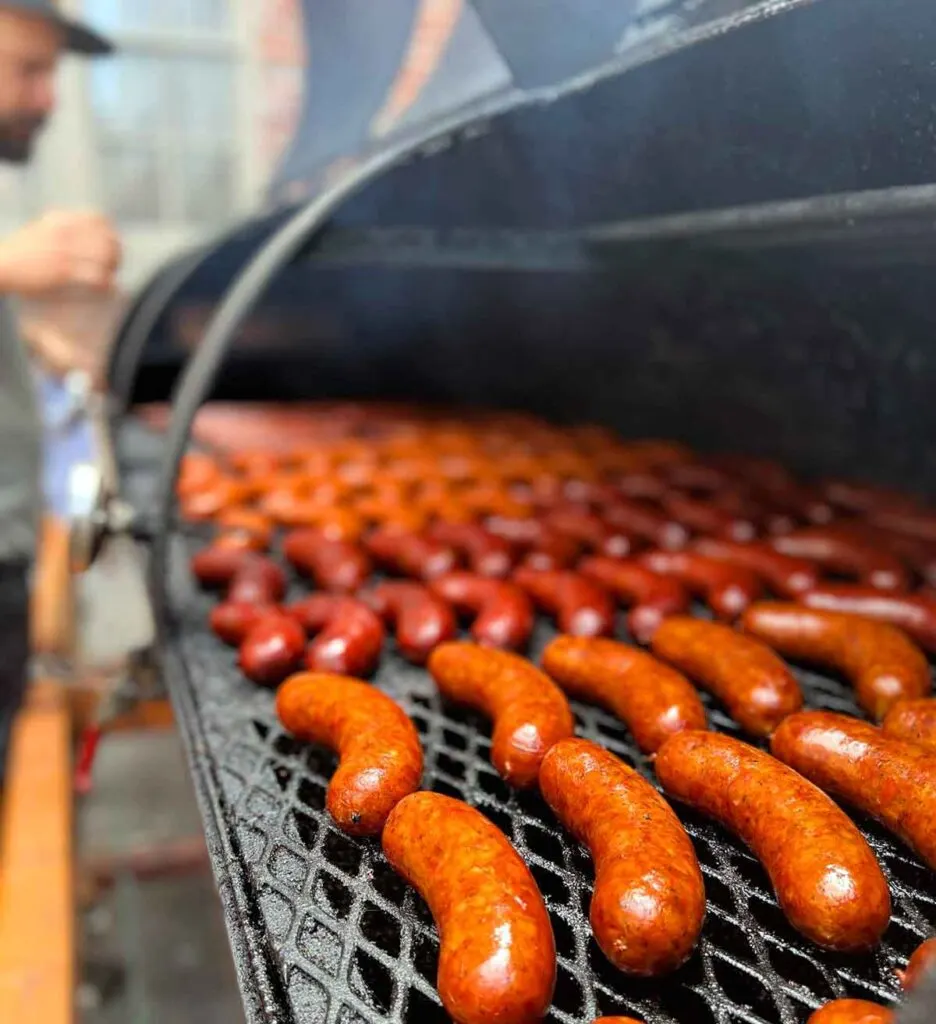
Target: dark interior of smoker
x=586, y=259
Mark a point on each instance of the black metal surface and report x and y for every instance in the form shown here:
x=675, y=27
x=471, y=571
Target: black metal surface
x=323, y=931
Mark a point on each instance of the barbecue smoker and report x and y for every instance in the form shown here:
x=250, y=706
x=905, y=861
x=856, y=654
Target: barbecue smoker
x=713, y=221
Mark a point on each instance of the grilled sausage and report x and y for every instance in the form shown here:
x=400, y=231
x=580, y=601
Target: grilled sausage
x=842, y=553
x=589, y=530
x=503, y=615
x=883, y=665
x=530, y=712
x=271, y=649
x=851, y=1011
x=919, y=524
x=215, y=566
x=349, y=635
x=858, y=497
x=727, y=589
x=249, y=522
x=545, y=547
x=231, y=621
x=652, y=596
x=707, y=518
x=915, y=614
x=920, y=964
x=755, y=686
x=913, y=721
x=641, y=520
x=616, y=1020
x=259, y=580
x=380, y=759
x=422, y=620
x=335, y=565
x=410, y=554
x=581, y=608
x=892, y=780
x=786, y=576
x=497, y=957
x=825, y=876
x=649, y=900
x=652, y=699
x=487, y=554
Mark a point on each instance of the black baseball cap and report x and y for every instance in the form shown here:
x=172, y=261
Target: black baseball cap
x=78, y=38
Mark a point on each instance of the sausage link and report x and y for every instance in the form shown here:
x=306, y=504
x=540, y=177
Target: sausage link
x=644, y=521
x=215, y=566
x=530, y=712
x=410, y=554
x=247, y=521
x=651, y=698
x=892, y=780
x=852, y=1011
x=231, y=621
x=652, y=596
x=258, y=581
x=546, y=549
x=915, y=614
x=880, y=661
x=755, y=686
x=422, y=620
x=919, y=965
x=841, y=553
x=858, y=497
x=786, y=576
x=919, y=555
x=497, y=956
x=707, y=518
x=239, y=539
x=649, y=899
x=581, y=607
x=824, y=874
x=913, y=721
x=726, y=589
x=272, y=649
x=589, y=530
x=919, y=524
x=380, y=758
x=503, y=615
x=335, y=565
x=698, y=477
x=649, y=486
x=349, y=636
x=487, y=554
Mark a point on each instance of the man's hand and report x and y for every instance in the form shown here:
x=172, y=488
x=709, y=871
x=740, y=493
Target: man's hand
x=60, y=250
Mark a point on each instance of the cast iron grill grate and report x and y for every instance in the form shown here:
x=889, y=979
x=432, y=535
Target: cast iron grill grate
x=324, y=931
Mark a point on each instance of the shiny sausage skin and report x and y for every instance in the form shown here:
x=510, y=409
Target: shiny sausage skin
x=335, y=565
x=545, y=547
x=349, y=636
x=649, y=899
x=919, y=524
x=842, y=553
x=410, y=554
x=272, y=649
x=588, y=529
x=913, y=721
x=920, y=964
x=530, y=712
x=857, y=497
x=581, y=608
x=503, y=614
x=258, y=581
x=852, y=1011
x=880, y=661
x=380, y=758
x=786, y=576
x=215, y=566
x=616, y=1020
x=641, y=520
x=487, y=554
x=231, y=621
x=651, y=698
x=247, y=521
x=755, y=686
x=825, y=876
x=707, y=518
x=497, y=956
x=652, y=596
x=915, y=614
x=422, y=620
x=892, y=780
x=726, y=589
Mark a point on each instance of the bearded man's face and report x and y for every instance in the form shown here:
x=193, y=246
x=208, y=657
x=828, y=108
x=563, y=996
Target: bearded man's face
x=29, y=51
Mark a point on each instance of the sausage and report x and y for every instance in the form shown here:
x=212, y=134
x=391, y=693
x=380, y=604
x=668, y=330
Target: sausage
x=880, y=661
x=215, y=566
x=497, y=956
x=335, y=565
x=272, y=649
x=231, y=621
x=919, y=524
x=487, y=554
x=530, y=712
x=843, y=554
x=786, y=576
x=410, y=554
x=651, y=698
x=858, y=497
x=920, y=964
x=852, y=1011
x=239, y=539
x=211, y=501
x=581, y=607
x=422, y=620
x=707, y=518
x=546, y=548
x=652, y=596
x=755, y=686
x=589, y=530
x=259, y=580
x=824, y=874
x=892, y=780
x=915, y=614
x=920, y=555
x=649, y=900
x=727, y=589
x=701, y=477
x=640, y=485
x=249, y=522
x=616, y=1020
x=641, y=520
x=503, y=614
x=380, y=759
x=914, y=721
x=349, y=635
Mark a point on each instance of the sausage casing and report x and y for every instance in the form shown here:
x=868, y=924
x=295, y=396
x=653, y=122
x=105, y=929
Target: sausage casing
x=271, y=649
x=503, y=614
x=727, y=589
x=913, y=721
x=921, y=963
x=852, y=1011
x=422, y=619
x=653, y=597
x=915, y=614
x=786, y=576
x=336, y=565
x=349, y=636
x=842, y=552
x=581, y=607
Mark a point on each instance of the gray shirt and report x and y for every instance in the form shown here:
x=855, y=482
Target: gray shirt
x=20, y=445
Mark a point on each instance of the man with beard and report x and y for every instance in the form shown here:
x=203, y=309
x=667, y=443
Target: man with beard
x=59, y=252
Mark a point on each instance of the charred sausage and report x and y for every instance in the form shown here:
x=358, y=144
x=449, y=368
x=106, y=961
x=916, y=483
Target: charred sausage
x=581, y=608
x=503, y=614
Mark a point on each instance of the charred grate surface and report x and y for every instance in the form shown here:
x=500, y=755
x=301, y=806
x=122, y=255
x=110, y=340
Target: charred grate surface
x=324, y=931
